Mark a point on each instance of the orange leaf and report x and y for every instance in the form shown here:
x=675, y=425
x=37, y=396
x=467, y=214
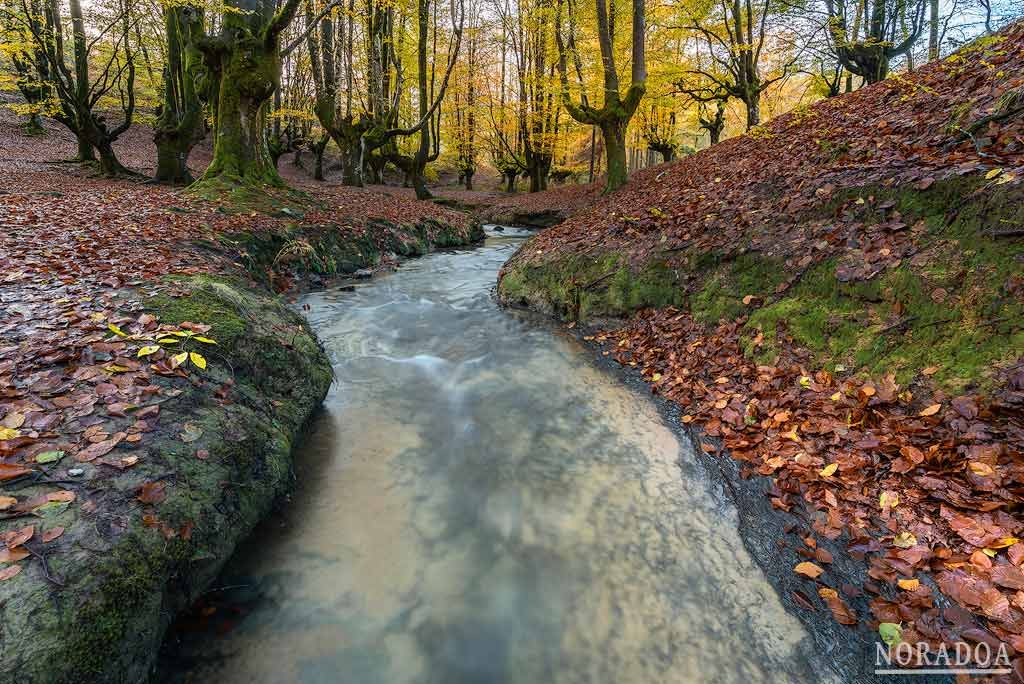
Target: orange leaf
x=808, y=569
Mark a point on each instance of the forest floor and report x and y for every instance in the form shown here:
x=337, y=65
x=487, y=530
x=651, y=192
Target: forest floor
x=151, y=384
x=835, y=300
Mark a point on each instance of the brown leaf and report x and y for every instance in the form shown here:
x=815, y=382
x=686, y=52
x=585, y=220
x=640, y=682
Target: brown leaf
x=13, y=555
x=152, y=492
x=52, y=533
x=18, y=537
x=100, y=448
x=9, y=572
x=9, y=471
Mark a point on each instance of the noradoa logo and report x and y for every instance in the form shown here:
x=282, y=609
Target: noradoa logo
x=897, y=657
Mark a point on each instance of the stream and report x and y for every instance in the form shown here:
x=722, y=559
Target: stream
x=479, y=503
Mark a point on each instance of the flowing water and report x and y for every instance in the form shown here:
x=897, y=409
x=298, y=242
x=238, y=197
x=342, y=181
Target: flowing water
x=478, y=503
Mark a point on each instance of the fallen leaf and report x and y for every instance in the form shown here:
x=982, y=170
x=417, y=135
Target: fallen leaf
x=9, y=572
x=890, y=632
x=9, y=471
x=909, y=584
x=52, y=533
x=808, y=569
x=13, y=421
x=904, y=540
x=152, y=492
x=190, y=433
x=930, y=410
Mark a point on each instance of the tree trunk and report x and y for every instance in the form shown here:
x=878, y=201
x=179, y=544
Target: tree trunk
x=109, y=164
x=85, y=149
x=614, y=134
x=180, y=125
x=933, y=31
x=510, y=181
x=240, y=151
x=753, y=111
x=468, y=175
x=172, y=158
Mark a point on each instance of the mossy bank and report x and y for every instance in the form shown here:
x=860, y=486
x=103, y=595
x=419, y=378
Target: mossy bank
x=215, y=456
x=953, y=303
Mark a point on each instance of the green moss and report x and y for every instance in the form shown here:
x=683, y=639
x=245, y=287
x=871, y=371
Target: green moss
x=209, y=302
x=949, y=307
x=579, y=288
x=727, y=282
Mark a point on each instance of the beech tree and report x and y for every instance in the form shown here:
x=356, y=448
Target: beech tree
x=617, y=109
x=736, y=36
x=242, y=65
x=867, y=33
x=180, y=120
x=75, y=90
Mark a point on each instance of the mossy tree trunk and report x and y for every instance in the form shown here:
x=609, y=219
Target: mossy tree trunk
x=180, y=124
x=246, y=62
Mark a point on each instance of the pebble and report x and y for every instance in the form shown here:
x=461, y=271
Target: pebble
x=75, y=472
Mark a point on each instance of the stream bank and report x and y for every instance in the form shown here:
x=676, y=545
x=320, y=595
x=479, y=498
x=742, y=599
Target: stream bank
x=130, y=476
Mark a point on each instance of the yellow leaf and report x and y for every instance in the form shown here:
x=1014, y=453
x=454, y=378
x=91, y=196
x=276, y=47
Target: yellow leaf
x=168, y=340
x=836, y=397
x=207, y=340
x=655, y=378
x=808, y=569
x=8, y=433
x=930, y=410
x=981, y=469
x=178, y=359
x=909, y=584
x=1005, y=178
x=904, y=540
x=829, y=470
x=992, y=174
x=198, y=360
x=889, y=499
x=116, y=330
x=148, y=349
x=828, y=593
x=805, y=381
x=991, y=553
x=1004, y=542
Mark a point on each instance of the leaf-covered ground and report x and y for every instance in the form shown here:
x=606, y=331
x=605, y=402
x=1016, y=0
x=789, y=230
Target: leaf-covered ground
x=837, y=302
x=135, y=345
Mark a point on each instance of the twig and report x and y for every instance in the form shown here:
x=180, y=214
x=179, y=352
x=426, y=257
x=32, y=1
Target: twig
x=14, y=516
x=1013, y=232
x=898, y=324
x=45, y=564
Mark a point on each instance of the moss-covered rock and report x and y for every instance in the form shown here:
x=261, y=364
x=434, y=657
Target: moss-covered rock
x=336, y=250
x=123, y=569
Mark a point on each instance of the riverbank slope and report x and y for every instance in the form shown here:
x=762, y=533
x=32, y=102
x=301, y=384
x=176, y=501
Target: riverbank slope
x=835, y=300
x=152, y=385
